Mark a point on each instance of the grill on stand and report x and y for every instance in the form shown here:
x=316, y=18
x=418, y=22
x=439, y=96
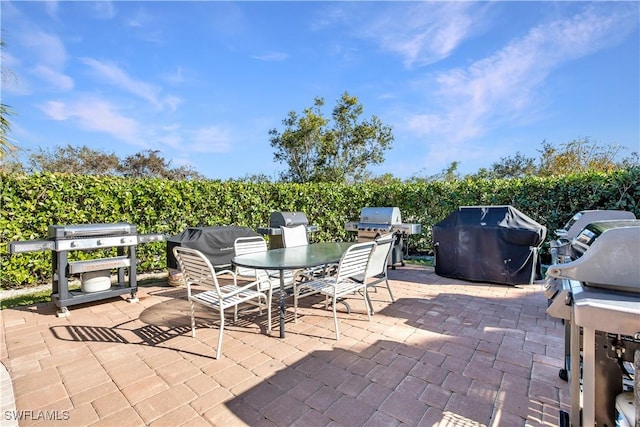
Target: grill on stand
x=376, y=221
x=284, y=219
x=599, y=300
x=96, y=281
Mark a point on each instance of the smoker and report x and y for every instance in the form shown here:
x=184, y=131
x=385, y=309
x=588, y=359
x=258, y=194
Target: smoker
x=600, y=301
x=284, y=219
x=376, y=221
x=96, y=281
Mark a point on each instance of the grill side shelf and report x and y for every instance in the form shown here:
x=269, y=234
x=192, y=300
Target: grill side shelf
x=31, y=246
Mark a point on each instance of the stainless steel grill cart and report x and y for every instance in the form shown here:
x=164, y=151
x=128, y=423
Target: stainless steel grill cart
x=376, y=221
x=284, y=219
x=63, y=239
x=600, y=300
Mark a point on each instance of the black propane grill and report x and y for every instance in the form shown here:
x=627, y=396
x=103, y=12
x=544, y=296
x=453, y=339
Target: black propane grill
x=284, y=219
x=63, y=239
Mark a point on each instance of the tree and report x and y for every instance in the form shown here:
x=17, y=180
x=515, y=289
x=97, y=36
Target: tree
x=579, y=155
x=517, y=166
x=340, y=149
x=77, y=160
x=87, y=161
x=5, y=111
x=150, y=163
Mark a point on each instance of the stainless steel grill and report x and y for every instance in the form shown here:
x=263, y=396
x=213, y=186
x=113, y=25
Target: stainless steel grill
x=284, y=219
x=376, y=221
x=65, y=238
x=561, y=247
x=599, y=300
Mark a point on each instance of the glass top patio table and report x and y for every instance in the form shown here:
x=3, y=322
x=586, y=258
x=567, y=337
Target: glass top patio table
x=293, y=258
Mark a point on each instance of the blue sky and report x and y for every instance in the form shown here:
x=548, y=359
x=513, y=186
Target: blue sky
x=204, y=82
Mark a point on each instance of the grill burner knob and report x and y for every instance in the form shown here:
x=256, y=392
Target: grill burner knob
x=98, y=242
x=73, y=244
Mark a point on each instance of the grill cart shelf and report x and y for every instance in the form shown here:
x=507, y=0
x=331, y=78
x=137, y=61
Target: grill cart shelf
x=66, y=238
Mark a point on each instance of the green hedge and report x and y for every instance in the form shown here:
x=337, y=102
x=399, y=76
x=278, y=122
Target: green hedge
x=30, y=203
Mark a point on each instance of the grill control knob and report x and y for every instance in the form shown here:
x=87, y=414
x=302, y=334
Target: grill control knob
x=73, y=244
x=98, y=242
x=123, y=240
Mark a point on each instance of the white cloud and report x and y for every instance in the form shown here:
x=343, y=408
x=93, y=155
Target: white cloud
x=503, y=87
x=271, y=56
x=211, y=139
x=59, y=81
x=97, y=116
x=103, y=9
x=51, y=7
x=114, y=75
x=48, y=48
x=424, y=32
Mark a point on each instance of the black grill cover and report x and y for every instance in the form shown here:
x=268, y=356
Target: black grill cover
x=216, y=243
x=488, y=244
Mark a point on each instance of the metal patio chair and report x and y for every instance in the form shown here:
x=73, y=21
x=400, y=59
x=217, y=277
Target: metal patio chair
x=197, y=270
x=378, y=265
x=296, y=235
x=267, y=279
x=353, y=263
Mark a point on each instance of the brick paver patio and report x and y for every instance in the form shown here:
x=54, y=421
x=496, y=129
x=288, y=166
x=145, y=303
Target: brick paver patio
x=446, y=353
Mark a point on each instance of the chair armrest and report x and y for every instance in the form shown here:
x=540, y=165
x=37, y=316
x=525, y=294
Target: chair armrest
x=233, y=274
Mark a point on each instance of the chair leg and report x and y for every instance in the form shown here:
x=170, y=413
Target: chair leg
x=193, y=320
x=335, y=320
x=367, y=303
x=269, y=297
x=296, y=291
x=219, y=351
x=389, y=288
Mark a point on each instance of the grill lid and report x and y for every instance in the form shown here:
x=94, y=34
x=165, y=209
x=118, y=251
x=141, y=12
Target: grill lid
x=89, y=230
x=278, y=219
x=380, y=215
x=592, y=231
x=582, y=218
x=610, y=262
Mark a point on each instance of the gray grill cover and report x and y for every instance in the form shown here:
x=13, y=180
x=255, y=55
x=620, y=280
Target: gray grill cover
x=216, y=243
x=488, y=244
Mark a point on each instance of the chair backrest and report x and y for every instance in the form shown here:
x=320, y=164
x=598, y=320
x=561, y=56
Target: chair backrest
x=355, y=260
x=295, y=235
x=248, y=245
x=380, y=256
x=196, y=269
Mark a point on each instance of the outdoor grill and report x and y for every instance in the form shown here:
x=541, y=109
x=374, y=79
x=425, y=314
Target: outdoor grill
x=561, y=247
x=96, y=282
x=284, y=219
x=376, y=221
x=599, y=300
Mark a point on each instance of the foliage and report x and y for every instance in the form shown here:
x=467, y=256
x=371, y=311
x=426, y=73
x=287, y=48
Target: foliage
x=580, y=155
x=317, y=152
x=577, y=156
x=30, y=203
x=88, y=161
x=5, y=125
x=77, y=160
